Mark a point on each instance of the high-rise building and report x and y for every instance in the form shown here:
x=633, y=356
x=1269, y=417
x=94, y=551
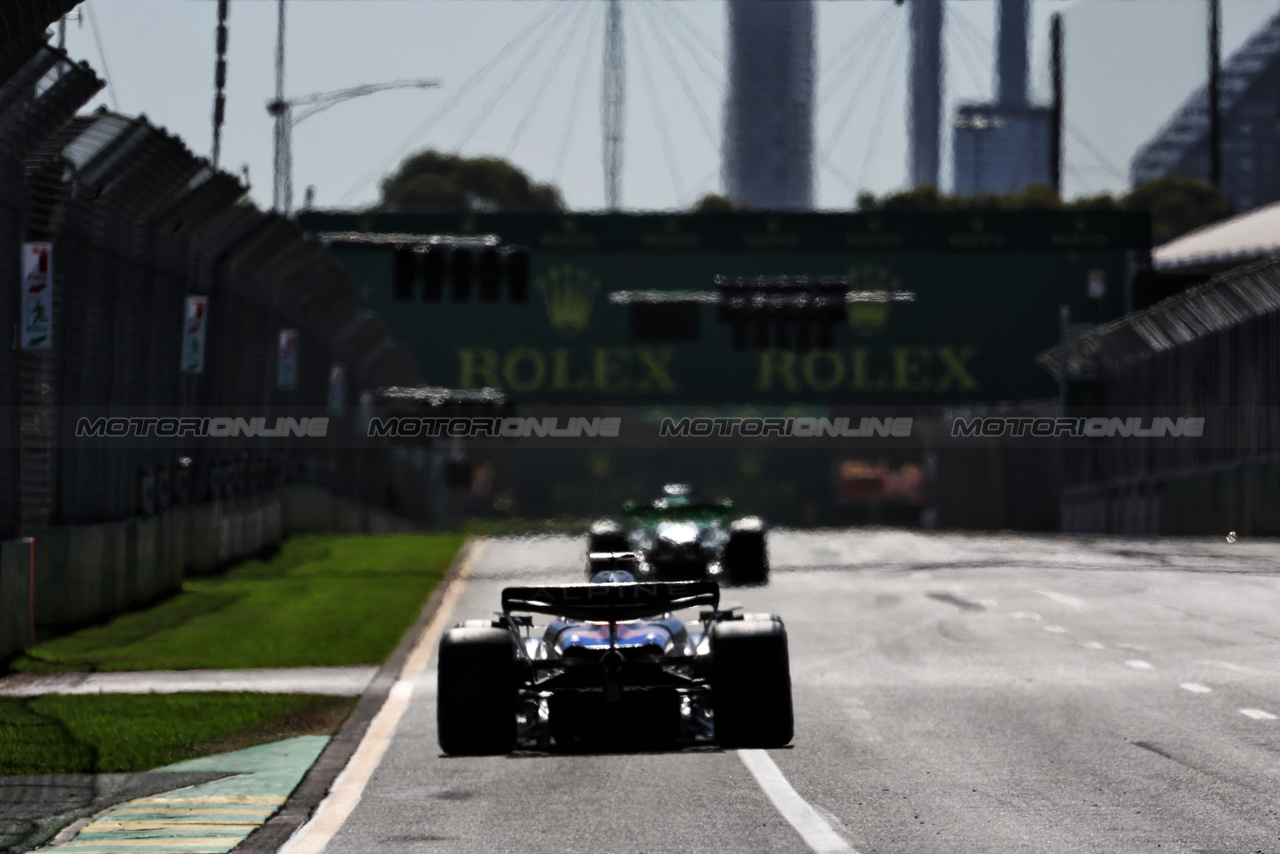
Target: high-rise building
x=768, y=133
x=1249, y=118
x=1000, y=148
x=1003, y=147
x=925, y=98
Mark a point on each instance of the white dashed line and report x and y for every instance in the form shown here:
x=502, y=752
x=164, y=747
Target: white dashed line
x=1057, y=630
x=1025, y=615
x=1139, y=665
x=1195, y=687
x=1258, y=714
x=815, y=831
x=1092, y=645
x=1063, y=599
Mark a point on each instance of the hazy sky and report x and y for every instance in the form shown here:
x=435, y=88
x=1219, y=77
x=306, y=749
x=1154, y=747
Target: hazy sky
x=522, y=80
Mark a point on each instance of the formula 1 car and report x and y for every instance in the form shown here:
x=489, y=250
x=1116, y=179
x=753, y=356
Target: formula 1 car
x=613, y=667
x=677, y=538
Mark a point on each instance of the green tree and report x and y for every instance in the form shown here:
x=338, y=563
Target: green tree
x=714, y=203
x=438, y=181
x=1178, y=205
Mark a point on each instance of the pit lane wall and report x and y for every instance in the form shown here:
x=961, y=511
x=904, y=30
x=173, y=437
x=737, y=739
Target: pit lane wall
x=85, y=573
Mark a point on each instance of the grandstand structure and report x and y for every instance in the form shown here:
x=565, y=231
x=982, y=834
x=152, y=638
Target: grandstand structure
x=1249, y=98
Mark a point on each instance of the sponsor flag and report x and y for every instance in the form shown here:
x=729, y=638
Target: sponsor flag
x=194, y=319
x=37, y=296
x=337, y=389
x=287, y=360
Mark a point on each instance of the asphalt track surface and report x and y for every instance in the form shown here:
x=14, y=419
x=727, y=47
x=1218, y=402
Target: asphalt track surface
x=952, y=694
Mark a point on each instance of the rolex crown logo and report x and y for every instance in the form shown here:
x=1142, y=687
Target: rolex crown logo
x=868, y=318
x=568, y=293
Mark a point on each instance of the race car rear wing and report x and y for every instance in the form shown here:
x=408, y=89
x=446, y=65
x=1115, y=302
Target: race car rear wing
x=611, y=602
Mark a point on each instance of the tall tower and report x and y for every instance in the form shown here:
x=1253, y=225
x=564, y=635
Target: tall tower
x=1011, y=59
x=768, y=120
x=613, y=94
x=926, y=92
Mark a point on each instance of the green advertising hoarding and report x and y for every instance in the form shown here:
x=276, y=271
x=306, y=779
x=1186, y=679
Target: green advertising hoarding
x=988, y=289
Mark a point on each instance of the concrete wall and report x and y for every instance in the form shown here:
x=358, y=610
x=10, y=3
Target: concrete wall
x=221, y=533
x=1240, y=497
x=86, y=572
x=310, y=508
x=90, y=572
x=15, y=574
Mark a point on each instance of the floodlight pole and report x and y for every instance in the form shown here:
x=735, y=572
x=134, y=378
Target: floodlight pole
x=1215, y=119
x=1056, y=117
x=613, y=95
x=282, y=191
x=220, y=81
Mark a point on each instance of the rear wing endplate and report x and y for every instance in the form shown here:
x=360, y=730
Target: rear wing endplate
x=611, y=602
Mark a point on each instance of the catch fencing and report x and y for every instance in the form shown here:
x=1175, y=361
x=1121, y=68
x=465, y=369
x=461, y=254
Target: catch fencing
x=1213, y=352
x=168, y=295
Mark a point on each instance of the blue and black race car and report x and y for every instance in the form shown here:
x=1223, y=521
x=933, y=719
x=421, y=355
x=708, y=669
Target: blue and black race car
x=614, y=666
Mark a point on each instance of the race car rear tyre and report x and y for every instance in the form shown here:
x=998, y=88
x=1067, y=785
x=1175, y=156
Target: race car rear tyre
x=476, y=692
x=746, y=559
x=607, y=535
x=751, y=683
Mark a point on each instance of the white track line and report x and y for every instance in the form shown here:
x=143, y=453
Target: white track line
x=1258, y=714
x=1195, y=687
x=337, y=806
x=816, y=833
x=1063, y=599
x=1139, y=665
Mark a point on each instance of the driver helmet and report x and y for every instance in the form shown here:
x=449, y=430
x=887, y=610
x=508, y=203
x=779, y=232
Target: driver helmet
x=613, y=576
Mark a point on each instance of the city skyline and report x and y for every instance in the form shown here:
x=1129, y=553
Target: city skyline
x=1123, y=83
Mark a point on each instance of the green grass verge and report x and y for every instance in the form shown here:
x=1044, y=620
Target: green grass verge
x=322, y=600
x=505, y=527
x=98, y=733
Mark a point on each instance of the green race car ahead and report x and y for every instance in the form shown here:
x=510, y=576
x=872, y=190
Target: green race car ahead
x=676, y=538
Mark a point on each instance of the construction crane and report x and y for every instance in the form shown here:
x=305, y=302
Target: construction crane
x=287, y=114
